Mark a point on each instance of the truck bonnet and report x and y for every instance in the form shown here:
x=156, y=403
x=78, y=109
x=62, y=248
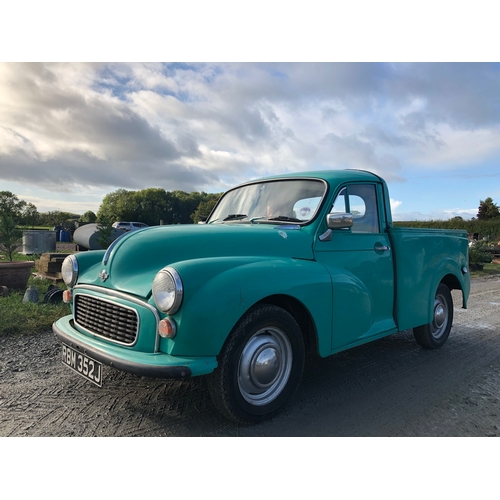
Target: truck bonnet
x=136, y=258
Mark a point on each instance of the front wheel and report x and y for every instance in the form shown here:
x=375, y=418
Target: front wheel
x=435, y=334
x=260, y=366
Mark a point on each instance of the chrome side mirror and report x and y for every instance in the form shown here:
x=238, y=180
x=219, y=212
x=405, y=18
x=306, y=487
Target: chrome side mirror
x=339, y=221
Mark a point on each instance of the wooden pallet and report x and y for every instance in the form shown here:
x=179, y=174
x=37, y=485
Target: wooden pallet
x=55, y=279
x=49, y=266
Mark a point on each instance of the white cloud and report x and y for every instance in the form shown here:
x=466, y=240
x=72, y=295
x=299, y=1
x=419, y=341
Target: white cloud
x=209, y=126
x=465, y=213
x=69, y=205
x=460, y=147
x=395, y=204
x=446, y=214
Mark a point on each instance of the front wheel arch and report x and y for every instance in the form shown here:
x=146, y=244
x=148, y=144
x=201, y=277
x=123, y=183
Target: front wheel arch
x=301, y=315
x=260, y=365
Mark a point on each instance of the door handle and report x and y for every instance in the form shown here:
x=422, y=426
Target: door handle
x=382, y=248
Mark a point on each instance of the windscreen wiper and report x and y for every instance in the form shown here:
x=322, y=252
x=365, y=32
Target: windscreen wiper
x=235, y=217
x=285, y=218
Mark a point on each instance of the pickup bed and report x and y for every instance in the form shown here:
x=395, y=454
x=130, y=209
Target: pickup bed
x=285, y=264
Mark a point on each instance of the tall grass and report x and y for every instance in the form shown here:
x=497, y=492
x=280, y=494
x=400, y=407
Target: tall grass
x=17, y=317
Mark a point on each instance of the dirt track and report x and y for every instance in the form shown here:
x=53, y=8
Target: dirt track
x=390, y=387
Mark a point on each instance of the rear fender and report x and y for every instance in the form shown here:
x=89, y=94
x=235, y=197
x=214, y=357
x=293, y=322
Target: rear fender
x=450, y=273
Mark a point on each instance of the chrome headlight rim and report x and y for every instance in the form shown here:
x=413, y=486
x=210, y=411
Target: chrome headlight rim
x=70, y=262
x=178, y=289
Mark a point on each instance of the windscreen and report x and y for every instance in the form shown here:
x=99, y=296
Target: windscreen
x=291, y=200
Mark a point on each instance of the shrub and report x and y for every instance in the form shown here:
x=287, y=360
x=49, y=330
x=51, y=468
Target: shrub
x=479, y=255
x=10, y=236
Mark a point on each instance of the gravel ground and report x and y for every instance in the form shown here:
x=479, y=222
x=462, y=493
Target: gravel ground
x=390, y=387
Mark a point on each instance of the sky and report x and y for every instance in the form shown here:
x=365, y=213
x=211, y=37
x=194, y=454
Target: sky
x=70, y=133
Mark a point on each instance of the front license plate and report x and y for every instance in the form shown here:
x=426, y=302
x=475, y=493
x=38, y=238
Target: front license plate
x=87, y=367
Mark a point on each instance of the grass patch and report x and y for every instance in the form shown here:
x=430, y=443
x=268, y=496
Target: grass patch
x=17, y=317
x=488, y=270
x=20, y=256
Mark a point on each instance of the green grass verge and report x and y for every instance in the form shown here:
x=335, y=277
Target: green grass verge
x=17, y=317
x=488, y=270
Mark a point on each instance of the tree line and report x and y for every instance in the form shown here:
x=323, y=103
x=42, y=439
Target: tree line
x=151, y=206
x=156, y=205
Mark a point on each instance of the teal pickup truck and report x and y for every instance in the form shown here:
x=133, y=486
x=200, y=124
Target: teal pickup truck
x=285, y=264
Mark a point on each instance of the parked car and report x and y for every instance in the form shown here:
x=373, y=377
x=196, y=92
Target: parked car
x=282, y=264
x=129, y=226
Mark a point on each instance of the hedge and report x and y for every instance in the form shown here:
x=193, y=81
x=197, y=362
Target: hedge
x=484, y=228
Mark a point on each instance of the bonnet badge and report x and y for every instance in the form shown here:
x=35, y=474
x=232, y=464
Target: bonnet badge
x=103, y=275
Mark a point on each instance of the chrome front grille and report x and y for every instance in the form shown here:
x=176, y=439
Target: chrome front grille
x=107, y=319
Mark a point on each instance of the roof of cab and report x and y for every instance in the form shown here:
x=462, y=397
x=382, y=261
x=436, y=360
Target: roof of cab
x=329, y=175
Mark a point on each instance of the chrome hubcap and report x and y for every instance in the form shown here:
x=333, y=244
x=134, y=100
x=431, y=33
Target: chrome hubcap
x=439, y=316
x=265, y=366
x=440, y=321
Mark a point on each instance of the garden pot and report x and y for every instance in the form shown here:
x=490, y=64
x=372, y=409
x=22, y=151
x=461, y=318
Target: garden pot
x=15, y=275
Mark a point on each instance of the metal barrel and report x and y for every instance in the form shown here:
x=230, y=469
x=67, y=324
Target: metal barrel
x=87, y=237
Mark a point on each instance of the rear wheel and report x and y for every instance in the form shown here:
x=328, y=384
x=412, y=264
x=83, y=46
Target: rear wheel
x=435, y=334
x=260, y=365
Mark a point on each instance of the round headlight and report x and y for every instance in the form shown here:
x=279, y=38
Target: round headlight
x=167, y=290
x=69, y=271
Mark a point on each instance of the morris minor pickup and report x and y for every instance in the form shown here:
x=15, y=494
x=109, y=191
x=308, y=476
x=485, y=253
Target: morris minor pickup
x=283, y=265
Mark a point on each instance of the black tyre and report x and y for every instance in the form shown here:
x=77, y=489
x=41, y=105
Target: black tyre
x=435, y=334
x=53, y=296
x=260, y=366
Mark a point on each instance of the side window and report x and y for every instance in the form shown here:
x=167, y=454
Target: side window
x=361, y=201
x=363, y=206
x=357, y=206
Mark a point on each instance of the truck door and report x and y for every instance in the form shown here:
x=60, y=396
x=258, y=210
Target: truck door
x=360, y=262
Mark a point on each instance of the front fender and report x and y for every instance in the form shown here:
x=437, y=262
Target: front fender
x=88, y=259
x=218, y=292
x=89, y=266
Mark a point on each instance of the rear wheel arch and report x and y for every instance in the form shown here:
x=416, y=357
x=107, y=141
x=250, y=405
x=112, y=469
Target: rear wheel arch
x=452, y=282
x=452, y=274
x=434, y=334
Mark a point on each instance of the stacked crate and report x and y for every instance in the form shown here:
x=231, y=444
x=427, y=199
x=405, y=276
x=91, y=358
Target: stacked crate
x=49, y=265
